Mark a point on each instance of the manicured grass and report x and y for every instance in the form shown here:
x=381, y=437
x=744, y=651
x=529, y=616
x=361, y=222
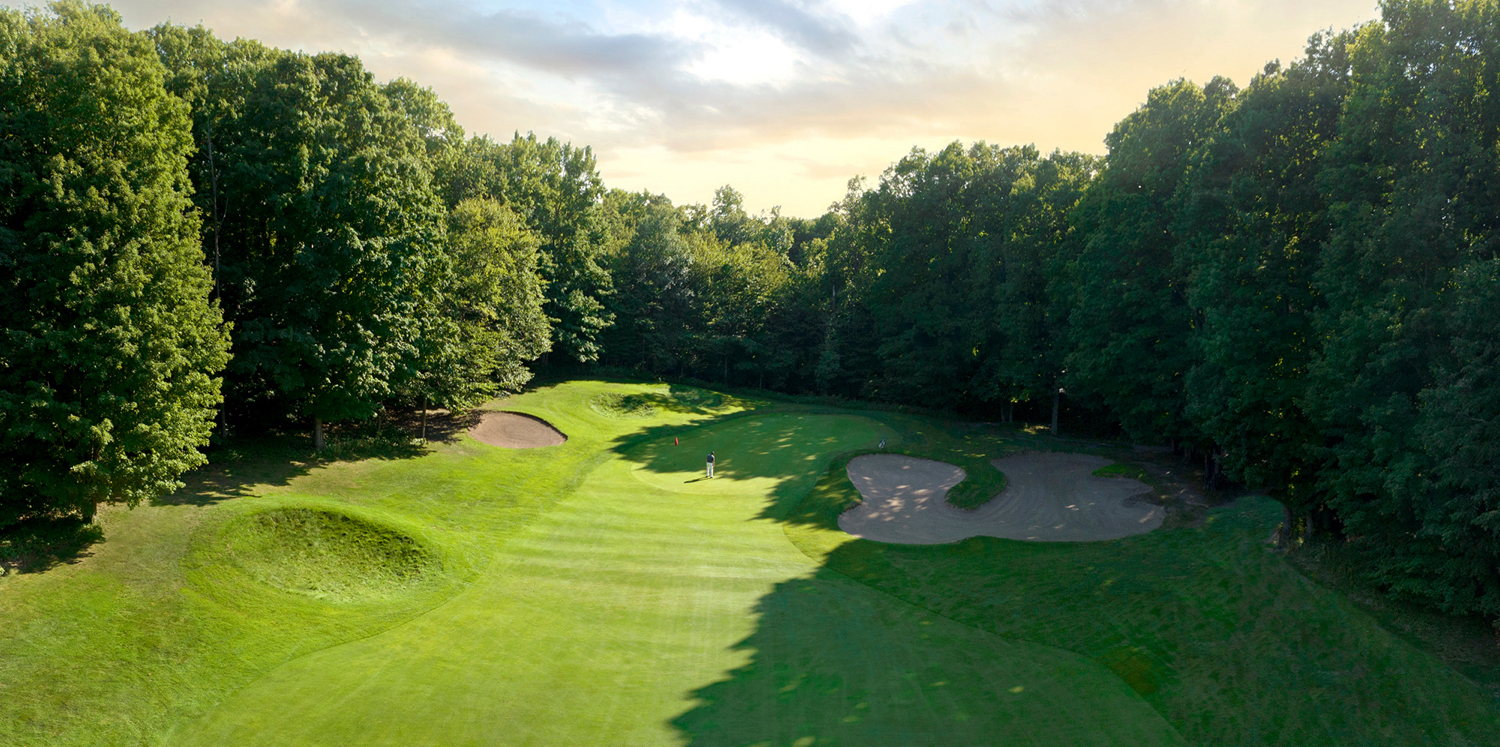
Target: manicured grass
x=603, y=592
x=614, y=618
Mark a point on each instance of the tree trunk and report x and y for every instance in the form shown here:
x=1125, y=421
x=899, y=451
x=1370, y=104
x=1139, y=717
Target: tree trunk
x=424, y=419
x=1056, y=404
x=1288, y=525
x=318, y=442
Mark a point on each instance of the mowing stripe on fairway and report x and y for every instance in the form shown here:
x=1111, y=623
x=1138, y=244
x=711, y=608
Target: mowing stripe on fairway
x=649, y=607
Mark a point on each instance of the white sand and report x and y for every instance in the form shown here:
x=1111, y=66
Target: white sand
x=1049, y=497
x=512, y=430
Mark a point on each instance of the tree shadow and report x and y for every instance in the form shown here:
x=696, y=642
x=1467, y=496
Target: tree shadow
x=835, y=662
x=443, y=426
x=237, y=467
x=678, y=399
x=786, y=448
x=39, y=544
x=1182, y=617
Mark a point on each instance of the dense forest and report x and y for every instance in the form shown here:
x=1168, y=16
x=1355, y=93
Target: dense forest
x=1296, y=282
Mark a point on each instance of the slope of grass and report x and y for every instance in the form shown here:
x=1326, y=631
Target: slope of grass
x=1228, y=642
x=327, y=554
x=160, y=622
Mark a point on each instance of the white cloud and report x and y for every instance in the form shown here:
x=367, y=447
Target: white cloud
x=782, y=97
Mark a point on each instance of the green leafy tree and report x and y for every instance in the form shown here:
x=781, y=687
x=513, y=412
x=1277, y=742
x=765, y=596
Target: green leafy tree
x=1460, y=429
x=961, y=245
x=1413, y=185
x=728, y=219
x=556, y=189
x=657, y=301
x=490, y=304
x=1254, y=225
x=1024, y=362
x=109, y=345
x=1131, y=326
x=326, y=225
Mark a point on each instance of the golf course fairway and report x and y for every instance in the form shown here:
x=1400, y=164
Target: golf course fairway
x=597, y=623
x=603, y=591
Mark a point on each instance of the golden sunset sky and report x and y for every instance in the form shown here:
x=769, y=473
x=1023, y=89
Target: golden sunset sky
x=786, y=100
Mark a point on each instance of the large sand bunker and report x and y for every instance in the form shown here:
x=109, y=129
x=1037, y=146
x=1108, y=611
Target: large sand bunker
x=1049, y=498
x=512, y=430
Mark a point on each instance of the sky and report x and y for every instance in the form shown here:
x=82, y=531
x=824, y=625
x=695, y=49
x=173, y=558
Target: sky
x=785, y=100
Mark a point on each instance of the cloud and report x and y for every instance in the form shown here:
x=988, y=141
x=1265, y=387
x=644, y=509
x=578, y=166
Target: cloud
x=815, y=34
x=568, y=48
x=683, y=96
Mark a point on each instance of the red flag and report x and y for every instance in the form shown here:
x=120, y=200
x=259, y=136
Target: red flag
x=674, y=441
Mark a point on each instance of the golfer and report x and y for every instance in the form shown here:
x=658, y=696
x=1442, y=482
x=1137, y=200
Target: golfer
x=710, y=465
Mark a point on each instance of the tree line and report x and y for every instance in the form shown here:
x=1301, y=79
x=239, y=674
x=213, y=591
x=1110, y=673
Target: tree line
x=1296, y=282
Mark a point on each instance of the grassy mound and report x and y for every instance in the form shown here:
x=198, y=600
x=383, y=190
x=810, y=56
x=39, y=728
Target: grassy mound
x=652, y=403
x=327, y=555
x=618, y=405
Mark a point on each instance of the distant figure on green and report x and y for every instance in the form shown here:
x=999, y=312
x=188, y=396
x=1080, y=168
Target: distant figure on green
x=882, y=443
x=710, y=465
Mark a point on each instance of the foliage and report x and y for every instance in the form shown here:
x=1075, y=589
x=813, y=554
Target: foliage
x=109, y=346
x=328, y=228
x=1131, y=325
x=1413, y=185
x=555, y=188
x=1254, y=223
x=483, y=320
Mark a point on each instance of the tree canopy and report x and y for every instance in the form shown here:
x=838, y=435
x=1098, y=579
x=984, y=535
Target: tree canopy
x=109, y=345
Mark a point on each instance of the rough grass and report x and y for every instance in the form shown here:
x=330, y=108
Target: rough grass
x=648, y=404
x=1225, y=639
x=326, y=555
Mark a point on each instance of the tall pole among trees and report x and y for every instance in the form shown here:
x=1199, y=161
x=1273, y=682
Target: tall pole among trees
x=1056, y=405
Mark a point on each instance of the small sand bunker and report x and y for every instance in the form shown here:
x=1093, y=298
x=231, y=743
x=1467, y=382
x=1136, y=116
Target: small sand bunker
x=512, y=430
x=1049, y=498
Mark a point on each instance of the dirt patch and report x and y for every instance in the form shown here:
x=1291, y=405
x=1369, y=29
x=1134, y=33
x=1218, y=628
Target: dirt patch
x=512, y=430
x=1049, y=497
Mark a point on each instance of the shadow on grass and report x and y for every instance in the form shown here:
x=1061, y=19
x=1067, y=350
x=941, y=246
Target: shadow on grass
x=787, y=447
x=679, y=399
x=832, y=662
x=238, y=467
x=40, y=544
x=1220, y=636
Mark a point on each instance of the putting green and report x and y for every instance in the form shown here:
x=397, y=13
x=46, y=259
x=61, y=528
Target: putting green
x=653, y=607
